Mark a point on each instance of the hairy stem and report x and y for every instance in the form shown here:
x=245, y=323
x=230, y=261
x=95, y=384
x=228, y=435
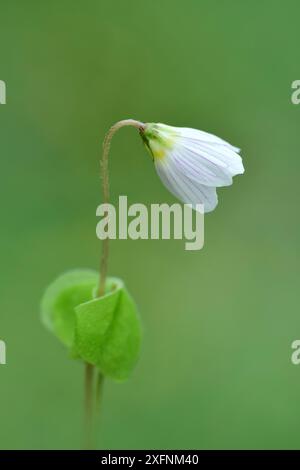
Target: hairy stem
x=105, y=188
x=99, y=391
x=89, y=374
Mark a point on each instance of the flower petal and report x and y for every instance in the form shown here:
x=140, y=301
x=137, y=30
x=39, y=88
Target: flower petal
x=192, y=163
x=217, y=160
x=199, y=166
x=187, y=190
x=202, y=136
x=219, y=154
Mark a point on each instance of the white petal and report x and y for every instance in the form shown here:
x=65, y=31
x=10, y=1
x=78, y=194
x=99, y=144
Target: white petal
x=192, y=163
x=212, y=150
x=219, y=154
x=204, y=137
x=187, y=190
x=199, y=166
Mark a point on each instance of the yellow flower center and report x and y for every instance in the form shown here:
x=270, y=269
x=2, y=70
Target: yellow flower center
x=158, y=139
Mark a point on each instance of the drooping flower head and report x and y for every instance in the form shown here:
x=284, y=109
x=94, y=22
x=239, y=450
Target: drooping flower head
x=192, y=163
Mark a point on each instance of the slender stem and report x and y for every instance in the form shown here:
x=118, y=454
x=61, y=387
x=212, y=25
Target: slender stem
x=99, y=391
x=105, y=188
x=89, y=368
x=103, y=273
x=89, y=374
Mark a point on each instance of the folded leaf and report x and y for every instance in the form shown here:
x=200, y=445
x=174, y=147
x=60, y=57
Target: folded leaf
x=60, y=299
x=104, y=331
x=108, y=333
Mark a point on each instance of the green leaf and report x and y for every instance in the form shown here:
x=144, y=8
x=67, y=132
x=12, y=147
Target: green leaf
x=104, y=331
x=60, y=299
x=108, y=333
x=93, y=318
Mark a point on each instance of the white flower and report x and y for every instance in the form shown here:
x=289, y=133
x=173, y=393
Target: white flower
x=192, y=163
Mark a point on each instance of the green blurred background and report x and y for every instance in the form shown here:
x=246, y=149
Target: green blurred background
x=215, y=368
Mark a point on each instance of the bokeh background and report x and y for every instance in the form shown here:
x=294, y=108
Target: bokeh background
x=215, y=369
